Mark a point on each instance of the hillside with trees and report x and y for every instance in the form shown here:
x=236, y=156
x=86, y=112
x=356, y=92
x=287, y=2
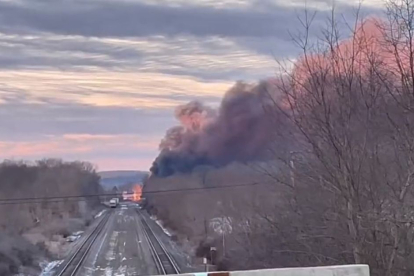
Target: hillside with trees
x=125, y=179
x=32, y=205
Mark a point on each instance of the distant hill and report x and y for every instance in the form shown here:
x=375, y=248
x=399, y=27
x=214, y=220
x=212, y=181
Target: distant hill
x=109, y=179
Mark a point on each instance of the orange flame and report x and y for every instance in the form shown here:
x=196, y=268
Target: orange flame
x=137, y=189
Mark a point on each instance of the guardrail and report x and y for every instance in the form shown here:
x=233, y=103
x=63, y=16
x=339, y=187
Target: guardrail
x=343, y=270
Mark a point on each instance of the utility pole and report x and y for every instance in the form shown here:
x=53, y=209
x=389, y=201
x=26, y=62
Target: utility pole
x=205, y=264
x=292, y=170
x=224, y=247
x=213, y=253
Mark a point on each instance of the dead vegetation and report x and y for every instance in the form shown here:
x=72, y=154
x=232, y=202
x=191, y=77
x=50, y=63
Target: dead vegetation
x=339, y=188
x=31, y=228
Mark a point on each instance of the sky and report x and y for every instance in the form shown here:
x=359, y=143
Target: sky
x=98, y=80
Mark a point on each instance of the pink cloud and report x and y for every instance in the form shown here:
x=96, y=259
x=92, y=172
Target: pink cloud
x=123, y=163
x=27, y=149
x=85, y=147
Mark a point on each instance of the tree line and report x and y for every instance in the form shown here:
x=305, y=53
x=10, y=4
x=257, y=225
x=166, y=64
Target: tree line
x=43, y=179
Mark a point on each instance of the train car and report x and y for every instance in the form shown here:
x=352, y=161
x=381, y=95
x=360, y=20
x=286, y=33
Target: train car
x=113, y=203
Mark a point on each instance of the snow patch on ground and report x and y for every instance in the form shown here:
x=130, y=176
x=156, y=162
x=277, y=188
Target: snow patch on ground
x=48, y=267
x=100, y=214
x=108, y=271
x=89, y=271
x=110, y=255
x=163, y=229
x=159, y=222
x=99, y=250
x=121, y=271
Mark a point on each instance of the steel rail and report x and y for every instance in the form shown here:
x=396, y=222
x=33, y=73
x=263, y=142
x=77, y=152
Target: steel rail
x=167, y=264
x=83, y=249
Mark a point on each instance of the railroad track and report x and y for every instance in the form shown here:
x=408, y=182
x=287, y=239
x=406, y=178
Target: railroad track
x=164, y=261
x=74, y=263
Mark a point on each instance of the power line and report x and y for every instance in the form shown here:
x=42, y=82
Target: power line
x=43, y=201
x=76, y=198
x=55, y=197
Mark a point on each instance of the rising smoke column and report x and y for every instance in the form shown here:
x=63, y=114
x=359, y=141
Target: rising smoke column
x=238, y=131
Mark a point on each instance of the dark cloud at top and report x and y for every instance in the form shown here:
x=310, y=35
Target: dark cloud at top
x=123, y=19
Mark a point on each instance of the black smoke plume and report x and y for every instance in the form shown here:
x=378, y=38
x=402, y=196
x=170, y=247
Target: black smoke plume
x=238, y=131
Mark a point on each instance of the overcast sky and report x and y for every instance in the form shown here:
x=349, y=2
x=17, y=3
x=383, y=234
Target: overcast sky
x=98, y=80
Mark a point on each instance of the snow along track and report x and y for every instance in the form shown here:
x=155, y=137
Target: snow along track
x=72, y=265
x=164, y=261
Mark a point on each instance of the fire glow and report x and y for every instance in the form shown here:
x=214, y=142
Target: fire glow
x=137, y=193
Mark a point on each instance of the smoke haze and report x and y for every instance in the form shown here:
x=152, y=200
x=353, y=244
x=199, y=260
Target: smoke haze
x=238, y=131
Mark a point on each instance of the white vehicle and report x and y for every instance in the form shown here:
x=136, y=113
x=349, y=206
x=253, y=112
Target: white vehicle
x=75, y=236
x=113, y=203
x=71, y=238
